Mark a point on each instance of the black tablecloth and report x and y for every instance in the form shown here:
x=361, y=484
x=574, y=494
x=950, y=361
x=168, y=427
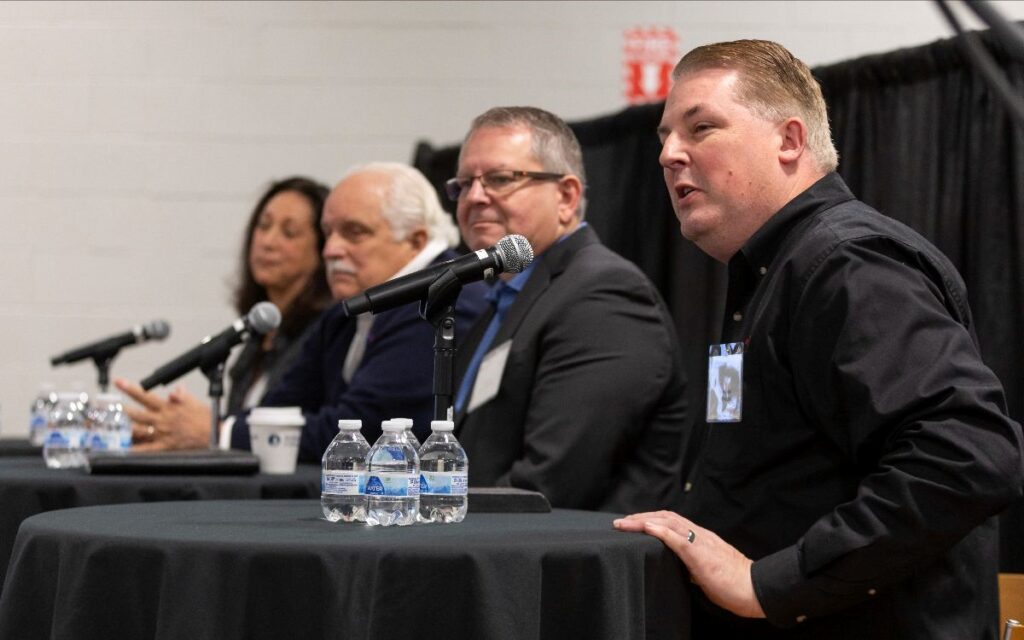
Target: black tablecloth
x=276, y=569
x=18, y=447
x=27, y=487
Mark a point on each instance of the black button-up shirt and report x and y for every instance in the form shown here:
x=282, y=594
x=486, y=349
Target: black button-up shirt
x=874, y=447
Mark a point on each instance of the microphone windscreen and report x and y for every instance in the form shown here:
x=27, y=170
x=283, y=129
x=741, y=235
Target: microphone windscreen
x=515, y=252
x=156, y=330
x=263, y=317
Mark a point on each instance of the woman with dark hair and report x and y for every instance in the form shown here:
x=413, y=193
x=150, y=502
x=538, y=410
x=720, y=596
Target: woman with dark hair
x=280, y=262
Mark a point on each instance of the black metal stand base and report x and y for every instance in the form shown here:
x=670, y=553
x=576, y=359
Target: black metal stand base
x=439, y=310
x=215, y=374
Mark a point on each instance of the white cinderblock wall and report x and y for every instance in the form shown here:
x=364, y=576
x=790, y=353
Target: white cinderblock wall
x=135, y=136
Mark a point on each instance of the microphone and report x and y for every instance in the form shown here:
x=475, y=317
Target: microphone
x=108, y=347
x=213, y=350
x=511, y=254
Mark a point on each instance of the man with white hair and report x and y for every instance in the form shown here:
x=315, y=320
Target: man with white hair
x=383, y=220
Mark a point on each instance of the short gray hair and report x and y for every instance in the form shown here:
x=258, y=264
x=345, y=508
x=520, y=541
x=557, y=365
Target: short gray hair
x=410, y=201
x=553, y=143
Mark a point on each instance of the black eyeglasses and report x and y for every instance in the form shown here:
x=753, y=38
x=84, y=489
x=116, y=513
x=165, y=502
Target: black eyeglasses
x=495, y=183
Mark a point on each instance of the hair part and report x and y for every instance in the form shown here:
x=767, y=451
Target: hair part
x=316, y=295
x=552, y=142
x=774, y=84
x=411, y=202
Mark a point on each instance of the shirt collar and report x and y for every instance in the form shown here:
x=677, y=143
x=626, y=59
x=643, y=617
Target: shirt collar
x=433, y=248
x=760, y=249
x=583, y=223
x=519, y=280
x=516, y=284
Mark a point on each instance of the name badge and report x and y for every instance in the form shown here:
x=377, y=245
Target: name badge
x=725, y=382
x=488, y=377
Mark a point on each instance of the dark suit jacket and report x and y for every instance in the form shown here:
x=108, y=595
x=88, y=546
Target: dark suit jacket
x=591, y=406
x=394, y=378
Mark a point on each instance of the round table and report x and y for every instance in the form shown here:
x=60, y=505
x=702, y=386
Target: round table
x=28, y=487
x=277, y=569
x=19, y=447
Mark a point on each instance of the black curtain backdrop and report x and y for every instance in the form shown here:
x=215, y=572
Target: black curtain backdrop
x=920, y=137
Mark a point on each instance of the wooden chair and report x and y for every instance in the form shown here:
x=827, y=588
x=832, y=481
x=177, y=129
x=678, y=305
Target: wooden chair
x=1011, y=605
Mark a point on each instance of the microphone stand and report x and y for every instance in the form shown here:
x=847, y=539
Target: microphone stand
x=102, y=362
x=438, y=308
x=214, y=372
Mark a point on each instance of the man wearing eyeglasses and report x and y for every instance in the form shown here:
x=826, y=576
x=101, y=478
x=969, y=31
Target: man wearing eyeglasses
x=383, y=220
x=572, y=384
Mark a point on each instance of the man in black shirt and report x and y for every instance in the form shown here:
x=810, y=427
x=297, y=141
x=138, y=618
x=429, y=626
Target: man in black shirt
x=854, y=494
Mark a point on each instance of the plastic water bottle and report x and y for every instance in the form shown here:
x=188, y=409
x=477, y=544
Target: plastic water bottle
x=39, y=413
x=407, y=433
x=109, y=428
x=392, y=479
x=65, y=431
x=343, y=474
x=444, y=482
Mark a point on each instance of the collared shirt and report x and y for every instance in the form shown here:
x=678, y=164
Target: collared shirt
x=874, y=446
x=365, y=321
x=501, y=296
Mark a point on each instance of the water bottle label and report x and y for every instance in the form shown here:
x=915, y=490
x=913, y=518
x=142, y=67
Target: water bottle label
x=64, y=438
x=343, y=483
x=37, y=428
x=55, y=438
x=444, y=484
x=109, y=441
x=393, y=484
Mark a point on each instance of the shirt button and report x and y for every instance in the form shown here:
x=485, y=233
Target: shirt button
x=801, y=618
x=737, y=316
x=763, y=270
x=872, y=592
x=687, y=487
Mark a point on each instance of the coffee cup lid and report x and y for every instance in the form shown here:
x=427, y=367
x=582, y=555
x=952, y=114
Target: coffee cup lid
x=276, y=416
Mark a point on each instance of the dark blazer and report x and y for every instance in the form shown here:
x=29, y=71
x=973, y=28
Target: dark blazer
x=394, y=378
x=591, y=406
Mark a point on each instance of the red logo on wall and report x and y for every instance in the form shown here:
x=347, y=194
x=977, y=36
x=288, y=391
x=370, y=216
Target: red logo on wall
x=649, y=54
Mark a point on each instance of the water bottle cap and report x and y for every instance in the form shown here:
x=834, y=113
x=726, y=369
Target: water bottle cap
x=405, y=422
x=350, y=425
x=392, y=426
x=69, y=395
x=109, y=398
x=442, y=425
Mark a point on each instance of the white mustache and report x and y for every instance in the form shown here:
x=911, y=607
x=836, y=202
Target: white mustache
x=339, y=266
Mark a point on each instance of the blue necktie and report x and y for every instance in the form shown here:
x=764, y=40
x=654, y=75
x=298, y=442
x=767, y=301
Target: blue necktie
x=501, y=296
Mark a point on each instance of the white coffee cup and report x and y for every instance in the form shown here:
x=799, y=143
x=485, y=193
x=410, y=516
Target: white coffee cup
x=274, y=434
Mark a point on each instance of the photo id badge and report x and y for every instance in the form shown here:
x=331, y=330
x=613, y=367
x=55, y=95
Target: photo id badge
x=725, y=382
x=488, y=377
